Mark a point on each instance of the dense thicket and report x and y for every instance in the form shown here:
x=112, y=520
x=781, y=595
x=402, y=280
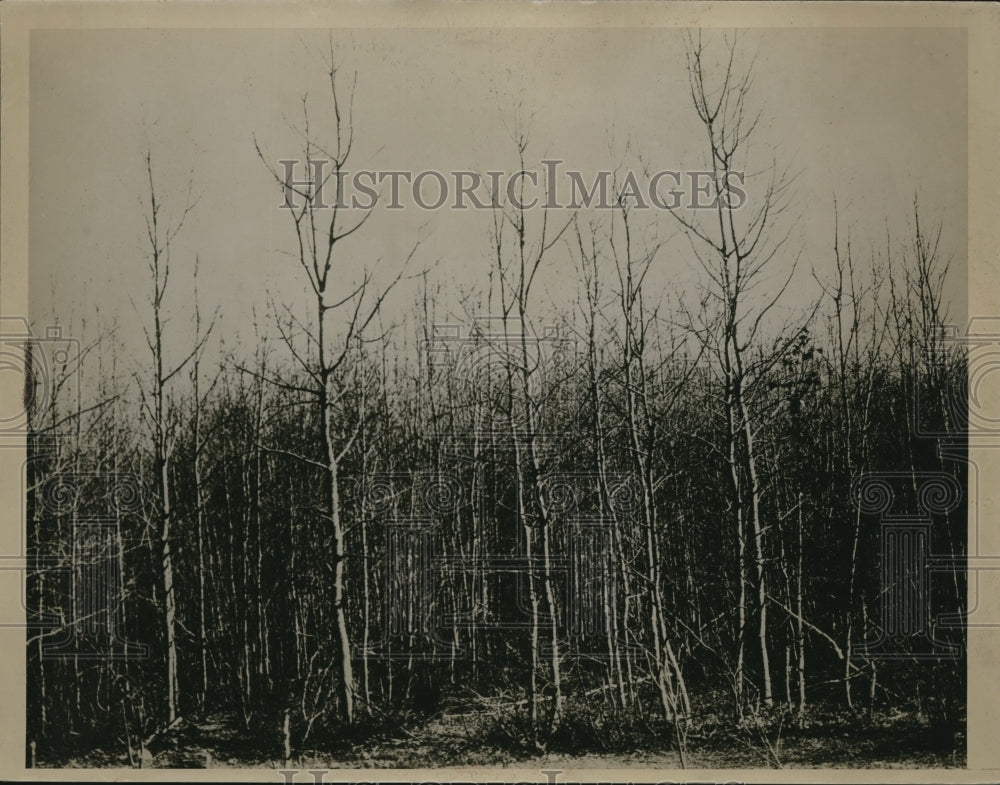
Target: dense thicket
x=660, y=510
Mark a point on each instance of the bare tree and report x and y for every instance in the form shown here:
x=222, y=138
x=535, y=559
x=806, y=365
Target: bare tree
x=160, y=415
x=199, y=444
x=320, y=232
x=643, y=426
x=735, y=248
x=515, y=275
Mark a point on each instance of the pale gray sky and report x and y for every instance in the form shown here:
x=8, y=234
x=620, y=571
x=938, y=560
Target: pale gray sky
x=871, y=115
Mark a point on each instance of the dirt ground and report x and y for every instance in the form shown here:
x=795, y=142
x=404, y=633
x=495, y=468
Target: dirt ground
x=457, y=741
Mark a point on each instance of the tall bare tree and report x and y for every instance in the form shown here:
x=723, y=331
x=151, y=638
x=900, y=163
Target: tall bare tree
x=516, y=270
x=736, y=245
x=159, y=412
x=320, y=231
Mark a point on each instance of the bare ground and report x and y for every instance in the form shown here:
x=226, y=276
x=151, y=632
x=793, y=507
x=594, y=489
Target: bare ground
x=447, y=741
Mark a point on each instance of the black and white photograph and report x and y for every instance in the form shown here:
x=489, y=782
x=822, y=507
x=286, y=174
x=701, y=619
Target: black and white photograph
x=544, y=396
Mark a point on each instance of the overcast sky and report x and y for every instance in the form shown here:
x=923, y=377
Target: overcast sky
x=873, y=116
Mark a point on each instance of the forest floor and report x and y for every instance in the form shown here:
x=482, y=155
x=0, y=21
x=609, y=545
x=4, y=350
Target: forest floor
x=470, y=740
